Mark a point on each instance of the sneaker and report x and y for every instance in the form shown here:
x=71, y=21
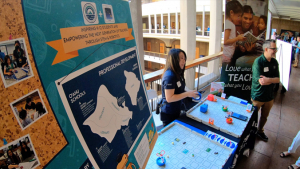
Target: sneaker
x=262, y=136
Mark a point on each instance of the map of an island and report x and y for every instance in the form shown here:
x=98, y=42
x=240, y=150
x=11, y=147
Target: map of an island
x=132, y=86
x=108, y=117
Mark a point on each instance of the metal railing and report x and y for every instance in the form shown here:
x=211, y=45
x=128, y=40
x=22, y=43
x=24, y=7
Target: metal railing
x=155, y=54
x=203, y=77
x=173, y=31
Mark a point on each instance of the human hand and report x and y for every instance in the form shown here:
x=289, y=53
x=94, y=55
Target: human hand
x=263, y=80
x=249, y=46
x=241, y=37
x=193, y=93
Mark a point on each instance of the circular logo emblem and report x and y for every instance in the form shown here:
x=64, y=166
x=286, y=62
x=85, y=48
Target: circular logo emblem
x=89, y=13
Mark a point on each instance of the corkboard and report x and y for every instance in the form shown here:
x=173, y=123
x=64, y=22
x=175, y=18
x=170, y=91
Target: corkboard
x=46, y=135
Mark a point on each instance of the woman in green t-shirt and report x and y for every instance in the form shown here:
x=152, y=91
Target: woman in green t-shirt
x=9, y=66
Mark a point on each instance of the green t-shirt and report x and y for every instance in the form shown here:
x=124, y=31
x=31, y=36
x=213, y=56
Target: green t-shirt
x=261, y=66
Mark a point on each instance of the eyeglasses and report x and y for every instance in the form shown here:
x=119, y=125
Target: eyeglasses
x=274, y=49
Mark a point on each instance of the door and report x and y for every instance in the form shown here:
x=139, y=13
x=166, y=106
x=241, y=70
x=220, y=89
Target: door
x=161, y=48
x=197, y=53
x=173, y=25
x=148, y=46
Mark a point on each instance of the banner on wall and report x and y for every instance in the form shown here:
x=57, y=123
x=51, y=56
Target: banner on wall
x=87, y=62
x=245, y=31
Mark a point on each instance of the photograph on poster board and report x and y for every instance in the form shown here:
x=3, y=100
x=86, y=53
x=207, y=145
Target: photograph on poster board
x=112, y=108
x=15, y=64
x=29, y=108
x=19, y=154
x=245, y=32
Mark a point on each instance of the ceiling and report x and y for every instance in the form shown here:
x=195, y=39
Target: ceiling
x=285, y=9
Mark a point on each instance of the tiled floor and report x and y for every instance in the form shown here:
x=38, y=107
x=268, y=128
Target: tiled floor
x=282, y=126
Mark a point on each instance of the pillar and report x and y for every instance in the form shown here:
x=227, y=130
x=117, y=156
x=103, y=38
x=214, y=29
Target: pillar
x=215, y=35
x=162, y=23
x=136, y=15
x=268, y=31
x=149, y=22
x=203, y=21
x=188, y=36
x=176, y=22
x=169, y=23
x=155, y=23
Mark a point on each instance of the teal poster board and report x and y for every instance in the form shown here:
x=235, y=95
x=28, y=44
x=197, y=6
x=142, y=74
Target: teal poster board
x=68, y=38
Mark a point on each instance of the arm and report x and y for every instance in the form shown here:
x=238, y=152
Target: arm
x=24, y=65
x=7, y=72
x=228, y=41
x=13, y=166
x=268, y=80
x=256, y=72
x=171, y=97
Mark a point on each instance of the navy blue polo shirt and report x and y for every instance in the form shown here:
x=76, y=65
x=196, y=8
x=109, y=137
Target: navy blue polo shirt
x=170, y=81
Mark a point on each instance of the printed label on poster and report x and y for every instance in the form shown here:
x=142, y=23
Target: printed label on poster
x=142, y=151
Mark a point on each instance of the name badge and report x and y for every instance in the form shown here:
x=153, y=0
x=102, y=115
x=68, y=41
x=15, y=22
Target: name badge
x=178, y=84
x=266, y=69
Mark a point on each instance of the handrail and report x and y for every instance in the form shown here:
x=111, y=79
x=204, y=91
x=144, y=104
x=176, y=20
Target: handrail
x=189, y=64
x=154, y=52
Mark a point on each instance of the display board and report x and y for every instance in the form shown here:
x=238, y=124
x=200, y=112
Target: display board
x=86, y=50
x=239, y=56
x=283, y=56
x=215, y=112
x=192, y=148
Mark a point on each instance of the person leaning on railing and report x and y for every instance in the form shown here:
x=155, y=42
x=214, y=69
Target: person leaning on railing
x=173, y=85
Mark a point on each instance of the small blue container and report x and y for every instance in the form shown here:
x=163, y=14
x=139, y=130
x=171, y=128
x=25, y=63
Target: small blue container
x=203, y=108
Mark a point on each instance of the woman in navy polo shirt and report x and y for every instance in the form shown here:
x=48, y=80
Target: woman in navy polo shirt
x=173, y=85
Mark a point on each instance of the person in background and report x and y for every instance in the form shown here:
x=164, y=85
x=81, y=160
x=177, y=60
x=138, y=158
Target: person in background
x=297, y=53
x=2, y=56
x=39, y=110
x=8, y=66
x=208, y=29
x=233, y=17
x=13, y=160
x=18, y=52
x=21, y=60
x=273, y=36
x=265, y=73
x=294, y=47
x=292, y=38
x=292, y=149
x=29, y=104
x=25, y=120
x=173, y=85
x=25, y=151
